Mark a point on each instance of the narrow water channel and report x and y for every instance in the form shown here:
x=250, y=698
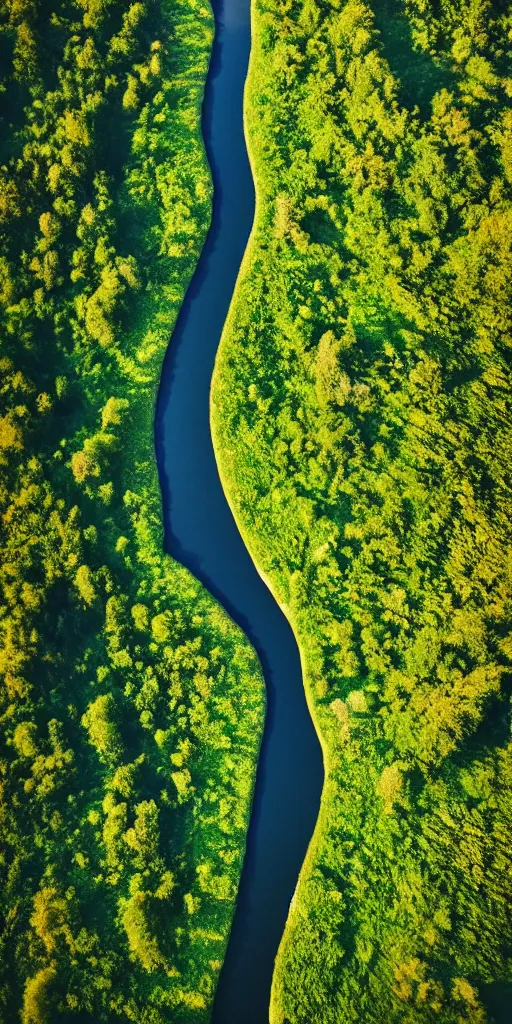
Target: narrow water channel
x=201, y=534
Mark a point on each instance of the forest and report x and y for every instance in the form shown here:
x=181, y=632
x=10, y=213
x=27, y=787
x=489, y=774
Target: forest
x=361, y=412
x=131, y=706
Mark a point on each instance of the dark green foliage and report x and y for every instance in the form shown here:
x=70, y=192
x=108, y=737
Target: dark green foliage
x=363, y=415
x=131, y=706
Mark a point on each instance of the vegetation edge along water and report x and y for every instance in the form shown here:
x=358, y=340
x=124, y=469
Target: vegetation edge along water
x=360, y=413
x=223, y=455
x=133, y=706
x=223, y=452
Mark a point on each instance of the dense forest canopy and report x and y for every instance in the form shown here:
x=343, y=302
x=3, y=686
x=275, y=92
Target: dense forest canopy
x=131, y=706
x=362, y=417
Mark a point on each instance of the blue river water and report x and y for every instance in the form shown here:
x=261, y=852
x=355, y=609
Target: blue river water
x=201, y=533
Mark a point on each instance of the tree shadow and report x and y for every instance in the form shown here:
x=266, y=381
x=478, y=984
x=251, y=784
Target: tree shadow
x=497, y=1000
x=418, y=74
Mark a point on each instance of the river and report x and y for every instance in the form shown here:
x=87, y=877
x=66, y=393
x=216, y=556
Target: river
x=201, y=533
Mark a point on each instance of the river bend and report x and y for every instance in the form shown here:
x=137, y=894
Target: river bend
x=200, y=532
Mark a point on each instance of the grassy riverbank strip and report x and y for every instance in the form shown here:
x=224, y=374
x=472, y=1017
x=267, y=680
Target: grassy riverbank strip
x=360, y=410
x=132, y=706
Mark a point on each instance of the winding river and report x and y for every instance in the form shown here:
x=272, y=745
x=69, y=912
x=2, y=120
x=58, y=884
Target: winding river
x=201, y=534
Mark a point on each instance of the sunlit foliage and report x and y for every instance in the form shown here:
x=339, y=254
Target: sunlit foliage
x=130, y=706
x=362, y=414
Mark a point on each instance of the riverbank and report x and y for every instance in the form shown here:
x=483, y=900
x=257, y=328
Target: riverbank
x=339, y=409
x=132, y=705
x=202, y=534
x=225, y=464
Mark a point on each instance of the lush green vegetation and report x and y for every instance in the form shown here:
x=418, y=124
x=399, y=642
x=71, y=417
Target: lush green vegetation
x=131, y=706
x=362, y=416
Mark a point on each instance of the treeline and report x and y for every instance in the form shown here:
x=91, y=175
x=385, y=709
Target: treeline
x=363, y=421
x=130, y=705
